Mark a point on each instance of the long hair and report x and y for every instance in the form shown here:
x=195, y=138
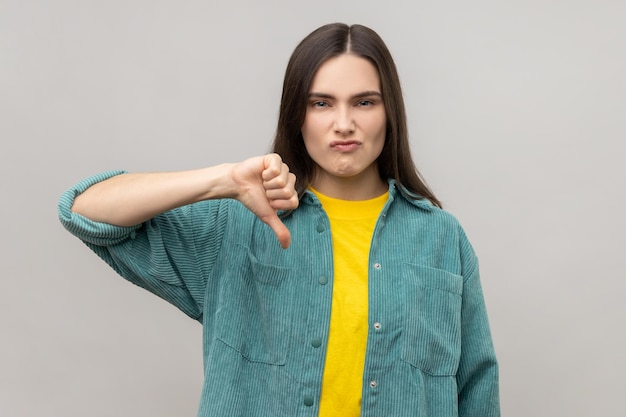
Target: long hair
x=395, y=161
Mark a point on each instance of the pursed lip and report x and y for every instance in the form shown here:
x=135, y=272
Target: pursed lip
x=345, y=145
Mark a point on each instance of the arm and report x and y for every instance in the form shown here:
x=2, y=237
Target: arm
x=263, y=184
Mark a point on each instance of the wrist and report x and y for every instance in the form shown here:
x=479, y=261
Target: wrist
x=217, y=182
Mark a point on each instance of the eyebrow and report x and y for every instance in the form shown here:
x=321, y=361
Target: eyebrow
x=358, y=95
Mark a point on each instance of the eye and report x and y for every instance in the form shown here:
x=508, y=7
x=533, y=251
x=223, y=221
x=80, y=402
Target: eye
x=319, y=104
x=365, y=103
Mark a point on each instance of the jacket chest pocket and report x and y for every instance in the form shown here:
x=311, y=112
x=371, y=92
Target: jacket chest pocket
x=255, y=309
x=432, y=325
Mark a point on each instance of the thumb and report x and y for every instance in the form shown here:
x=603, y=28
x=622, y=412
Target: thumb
x=279, y=228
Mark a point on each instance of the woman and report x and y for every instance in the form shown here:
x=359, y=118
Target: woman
x=373, y=305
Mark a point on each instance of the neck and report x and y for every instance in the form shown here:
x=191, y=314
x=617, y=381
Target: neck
x=350, y=188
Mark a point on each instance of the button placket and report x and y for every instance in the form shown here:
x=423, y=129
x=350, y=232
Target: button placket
x=319, y=276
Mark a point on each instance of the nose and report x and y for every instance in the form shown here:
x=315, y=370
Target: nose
x=344, y=121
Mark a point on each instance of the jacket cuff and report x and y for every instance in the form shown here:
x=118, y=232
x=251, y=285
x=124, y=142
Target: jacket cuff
x=97, y=233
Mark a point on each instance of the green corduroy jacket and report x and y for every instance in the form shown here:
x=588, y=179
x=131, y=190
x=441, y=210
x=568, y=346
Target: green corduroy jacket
x=265, y=311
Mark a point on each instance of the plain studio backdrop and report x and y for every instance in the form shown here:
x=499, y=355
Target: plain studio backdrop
x=517, y=117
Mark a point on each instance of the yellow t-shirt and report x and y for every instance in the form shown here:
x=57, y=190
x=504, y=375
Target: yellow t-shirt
x=352, y=226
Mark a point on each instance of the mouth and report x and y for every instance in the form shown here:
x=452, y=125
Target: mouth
x=345, y=145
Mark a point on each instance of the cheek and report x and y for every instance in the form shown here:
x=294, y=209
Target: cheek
x=312, y=129
x=378, y=128
x=306, y=135
x=381, y=135
x=308, y=138
x=308, y=128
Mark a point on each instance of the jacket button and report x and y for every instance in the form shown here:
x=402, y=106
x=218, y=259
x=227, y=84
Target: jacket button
x=308, y=400
x=317, y=342
x=320, y=228
x=323, y=280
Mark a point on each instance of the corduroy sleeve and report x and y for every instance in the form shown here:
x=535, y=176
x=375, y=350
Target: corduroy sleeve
x=159, y=255
x=477, y=377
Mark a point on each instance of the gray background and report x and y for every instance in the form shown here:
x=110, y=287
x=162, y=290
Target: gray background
x=517, y=117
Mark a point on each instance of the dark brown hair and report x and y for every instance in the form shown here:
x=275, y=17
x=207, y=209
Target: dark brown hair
x=326, y=42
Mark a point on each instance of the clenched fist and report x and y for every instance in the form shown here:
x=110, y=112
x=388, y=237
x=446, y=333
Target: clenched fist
x=265, y=185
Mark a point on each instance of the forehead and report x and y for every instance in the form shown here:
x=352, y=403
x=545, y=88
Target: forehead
x=346, y=73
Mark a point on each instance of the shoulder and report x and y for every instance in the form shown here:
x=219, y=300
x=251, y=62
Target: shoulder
x=422, y=210
x=429, y=223
x=419, y=206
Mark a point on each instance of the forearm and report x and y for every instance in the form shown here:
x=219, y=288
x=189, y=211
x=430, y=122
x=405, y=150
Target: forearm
x=130, y=199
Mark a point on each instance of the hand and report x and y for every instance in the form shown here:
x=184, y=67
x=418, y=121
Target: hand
x=264, y=186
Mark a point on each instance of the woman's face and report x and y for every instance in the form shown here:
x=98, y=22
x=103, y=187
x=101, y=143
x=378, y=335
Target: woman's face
x=345, y=123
